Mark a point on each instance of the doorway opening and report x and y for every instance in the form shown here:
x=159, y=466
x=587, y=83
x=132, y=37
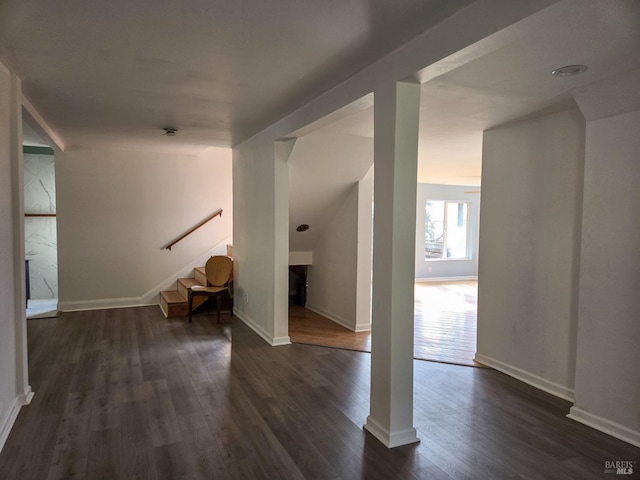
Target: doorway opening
x=298, y=285
x=446, y=262
x=40, y=226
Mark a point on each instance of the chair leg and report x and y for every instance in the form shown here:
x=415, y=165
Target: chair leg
x=218, y=304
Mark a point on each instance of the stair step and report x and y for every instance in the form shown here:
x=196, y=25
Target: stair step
x=200, y=275
x=173, y=304
x=172, y=296
x=184, y=284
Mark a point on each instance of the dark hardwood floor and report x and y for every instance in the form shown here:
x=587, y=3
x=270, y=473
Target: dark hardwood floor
x=128, y=394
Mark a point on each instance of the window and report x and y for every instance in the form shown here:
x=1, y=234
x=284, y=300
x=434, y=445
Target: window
x=446, y=230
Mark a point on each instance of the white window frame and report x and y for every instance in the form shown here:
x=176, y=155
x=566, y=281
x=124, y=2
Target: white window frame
x=468, y=255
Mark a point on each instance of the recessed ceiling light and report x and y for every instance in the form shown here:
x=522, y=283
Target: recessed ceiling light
x=302, y=228
x=569, y=71
x=170, y=132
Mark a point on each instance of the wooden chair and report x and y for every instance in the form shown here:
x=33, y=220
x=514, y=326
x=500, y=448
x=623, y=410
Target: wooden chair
x=219, y=272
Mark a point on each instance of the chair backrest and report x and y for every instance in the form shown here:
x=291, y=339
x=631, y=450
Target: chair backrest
x=219, y=270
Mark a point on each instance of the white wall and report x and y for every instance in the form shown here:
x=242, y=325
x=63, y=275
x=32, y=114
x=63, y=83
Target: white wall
x=14, y=388
x=8, y=313
x=532, y=176
x=332, y=278
x=364, y=273
x=340, y=278
x=261, y=245
x=117, y=208
x=607, y=390
x=40, y=232
x=301, y=258
x=322, y=168
x=447, y=268
x=477, y=30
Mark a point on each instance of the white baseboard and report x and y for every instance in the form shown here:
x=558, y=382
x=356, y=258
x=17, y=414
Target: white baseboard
x=273, y=341
x=445, y=279
x=151, y=297
x=9, y=419
x=363, y=328
x=527, y=377
x=607, y=426
x=103, y=304
x=391, y=439
x=337, y=319
x=27, y=396
x=277, y=341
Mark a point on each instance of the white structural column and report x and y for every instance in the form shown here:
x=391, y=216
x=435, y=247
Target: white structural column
x=396, y=112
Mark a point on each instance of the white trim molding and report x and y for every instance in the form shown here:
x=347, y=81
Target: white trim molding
x=445, y=279
x=391, y=440
x=339, y=320
x=40, y=126
x=534, y=380
x=363, y=328
x=105, y=304
x=27, y=396
x=7, y=422
x=607, y=426
x=273, y=341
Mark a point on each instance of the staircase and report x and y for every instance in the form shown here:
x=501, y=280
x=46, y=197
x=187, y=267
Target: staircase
x=174, y=303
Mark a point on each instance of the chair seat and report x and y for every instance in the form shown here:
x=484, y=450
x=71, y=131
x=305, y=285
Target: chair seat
x=201, y=289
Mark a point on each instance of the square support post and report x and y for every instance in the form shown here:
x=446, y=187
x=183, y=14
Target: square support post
x=396, y=111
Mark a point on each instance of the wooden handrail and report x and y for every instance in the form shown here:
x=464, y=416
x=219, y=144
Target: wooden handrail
x=39, y=214
x=193, y=229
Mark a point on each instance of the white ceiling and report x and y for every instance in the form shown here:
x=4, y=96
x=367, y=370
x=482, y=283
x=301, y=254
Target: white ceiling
x=510, y=83
x=513, y=82
x=112, y=74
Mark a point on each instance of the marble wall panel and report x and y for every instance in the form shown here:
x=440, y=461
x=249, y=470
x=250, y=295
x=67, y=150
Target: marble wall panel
x=40, y=232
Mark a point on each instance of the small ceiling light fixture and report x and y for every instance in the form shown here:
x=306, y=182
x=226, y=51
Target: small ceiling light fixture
x=170, y=132
x=569, y=71
x=302, y=228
